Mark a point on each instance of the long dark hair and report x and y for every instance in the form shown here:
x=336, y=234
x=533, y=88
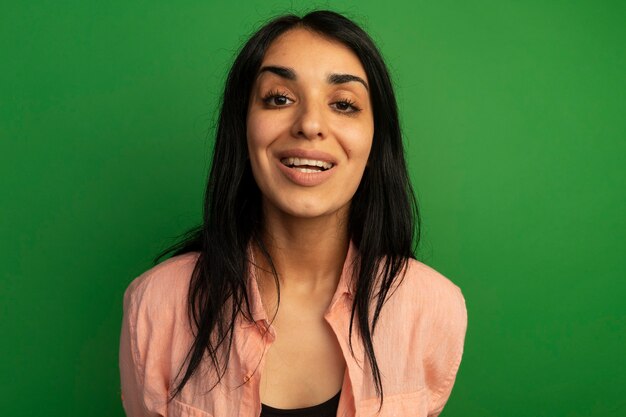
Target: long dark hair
x=384, y=221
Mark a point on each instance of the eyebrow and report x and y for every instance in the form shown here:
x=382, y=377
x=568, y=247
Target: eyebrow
x=290, y=74
x=283, y=72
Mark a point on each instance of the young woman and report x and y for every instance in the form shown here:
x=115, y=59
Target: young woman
x=300, y=294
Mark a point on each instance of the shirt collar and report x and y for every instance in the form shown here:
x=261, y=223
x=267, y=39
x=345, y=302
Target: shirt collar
x=344, y=286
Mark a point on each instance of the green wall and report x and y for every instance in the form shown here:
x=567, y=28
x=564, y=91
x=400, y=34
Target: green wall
x=513, y=114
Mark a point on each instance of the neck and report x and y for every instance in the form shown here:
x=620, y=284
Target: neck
x=308, y=253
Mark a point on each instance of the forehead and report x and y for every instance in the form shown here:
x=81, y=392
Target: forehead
x=310, y=53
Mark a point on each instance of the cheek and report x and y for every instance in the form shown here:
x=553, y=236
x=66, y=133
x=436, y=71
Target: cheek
x=261, y=133
x=357, y=142
x=258, y=133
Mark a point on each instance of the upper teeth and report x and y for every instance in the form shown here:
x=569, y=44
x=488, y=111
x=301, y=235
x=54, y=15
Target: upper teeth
x=310, y=162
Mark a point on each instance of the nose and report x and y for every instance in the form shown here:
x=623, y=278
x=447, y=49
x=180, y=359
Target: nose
x=310, y=121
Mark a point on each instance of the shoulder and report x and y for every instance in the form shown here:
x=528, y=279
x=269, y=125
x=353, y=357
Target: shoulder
x=437, y=326
x=430, y=291
x=161, y=288
x=154, y=337
x=433, y=304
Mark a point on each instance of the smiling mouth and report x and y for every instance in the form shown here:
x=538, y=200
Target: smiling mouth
x=306, y=165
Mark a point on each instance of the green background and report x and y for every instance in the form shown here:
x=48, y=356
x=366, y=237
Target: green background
x=513, y=115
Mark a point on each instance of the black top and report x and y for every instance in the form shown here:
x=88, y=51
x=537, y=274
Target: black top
x=326, y=409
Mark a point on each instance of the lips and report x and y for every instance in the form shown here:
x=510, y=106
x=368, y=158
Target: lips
x=306, y=168
x=306, y=165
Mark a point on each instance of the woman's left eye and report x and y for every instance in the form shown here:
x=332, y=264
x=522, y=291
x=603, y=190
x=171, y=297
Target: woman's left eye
x=346, y=106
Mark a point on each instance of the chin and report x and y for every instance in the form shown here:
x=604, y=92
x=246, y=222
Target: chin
x=304, y=209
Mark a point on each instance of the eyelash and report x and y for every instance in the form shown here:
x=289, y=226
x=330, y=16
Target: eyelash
x=275, y=93
x=350, y=103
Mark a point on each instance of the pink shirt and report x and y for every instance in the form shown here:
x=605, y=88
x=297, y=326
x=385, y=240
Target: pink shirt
x=418, y=345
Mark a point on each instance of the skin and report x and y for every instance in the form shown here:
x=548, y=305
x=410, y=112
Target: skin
x=306, y=226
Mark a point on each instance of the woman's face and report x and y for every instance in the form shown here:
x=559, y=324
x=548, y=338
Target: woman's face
x=310, y=125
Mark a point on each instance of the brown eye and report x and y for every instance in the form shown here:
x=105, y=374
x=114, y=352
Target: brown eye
x=342, y=105
x=276, y=99
x=279, y=100
x=346, y=106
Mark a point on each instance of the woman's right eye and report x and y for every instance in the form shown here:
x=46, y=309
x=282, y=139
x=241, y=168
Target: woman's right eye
x=276, y=99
